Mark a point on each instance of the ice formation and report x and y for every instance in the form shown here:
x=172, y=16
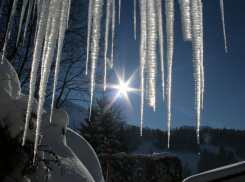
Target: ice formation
x=223, y=20
x=169, y=11
x=107, y=25
x=23, y=10
x=142, y=5
x=28, y=17
x=113, y=19
x=52, y=21
x=135, y=19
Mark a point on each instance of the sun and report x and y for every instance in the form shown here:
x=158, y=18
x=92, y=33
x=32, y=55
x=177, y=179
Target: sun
x=123, y=88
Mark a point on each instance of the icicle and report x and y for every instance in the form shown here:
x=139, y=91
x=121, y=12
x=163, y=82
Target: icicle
x=97, y=14
x=107, y=25
x=35, y=62
x=223, y=21
x=135, y=19
x=23, y=10
x=68, y=11
x=1, y=8
x=62, y=28
x=151, y=57
x=142, y=4
x=119, y=12
x=196, y=46
x=185, y=19
x=160, y=34
x=113, y=16
x=28, y=18
x=169, y=11
x=48, y=60
x=90, y=12
x=10, y=23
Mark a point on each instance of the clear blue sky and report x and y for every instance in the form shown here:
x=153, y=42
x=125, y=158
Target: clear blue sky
x=224, y=95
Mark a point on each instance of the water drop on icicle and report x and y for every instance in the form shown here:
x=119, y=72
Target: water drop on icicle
x=97, y=14
x=223, y=21
x=142, y=5
x=113, y=18
x=119, y=12
x=151, y=57
x=185, y=19
x=48, y=60
x=62, y=28
x=1, y=8
x=169, y=11
x=135, y=19
x=28, y=18
x=196, y=47
x=10, y=23
x=160, y=34
x=90, y=12
x=107, y=25
x=23, y=10
x=35, y=62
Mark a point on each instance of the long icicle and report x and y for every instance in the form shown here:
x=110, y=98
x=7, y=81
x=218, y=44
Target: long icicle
x=169, y=11
x=35, y=62
x=142, y=4
x=119, y=12
x=107, y=25
x=113, y=18
x=62, y=28
x=97, y=14
x=185, y=19
x=28, y=18
x=160, y=34
x=10, y=23
x=151, y=56
x=48, y=60
x=223, y=21
x=196, y=44
x=23, y=10
x=134, y=19
x=90, y=13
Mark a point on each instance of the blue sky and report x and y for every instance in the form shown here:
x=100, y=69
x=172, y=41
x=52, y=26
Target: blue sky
x=224, y=95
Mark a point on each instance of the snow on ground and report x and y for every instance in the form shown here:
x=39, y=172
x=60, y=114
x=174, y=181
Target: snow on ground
x=76, y=167
x=210, y=148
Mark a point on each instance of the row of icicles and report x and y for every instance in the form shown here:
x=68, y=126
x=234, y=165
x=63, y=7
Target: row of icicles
x=52, y=21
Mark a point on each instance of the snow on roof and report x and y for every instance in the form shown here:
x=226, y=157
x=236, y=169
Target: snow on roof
x=232, y=170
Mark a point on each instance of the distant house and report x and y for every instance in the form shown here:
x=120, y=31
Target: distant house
x=231, y=173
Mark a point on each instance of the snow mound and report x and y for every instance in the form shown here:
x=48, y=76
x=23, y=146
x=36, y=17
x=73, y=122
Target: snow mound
x=83, y=167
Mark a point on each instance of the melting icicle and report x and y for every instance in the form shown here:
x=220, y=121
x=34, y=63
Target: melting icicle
x=151, y=57
x=48, y=60
x=1, y=8
x=119, y=12
x=35, y=62
x=160, y=34
x=23, y=10
x=28, y=18
x=135, y=19
x=10, y=23
x=113, y=16
x=142, y=4
x=169, y=11
x=223, y=21
x=62, y=28
x=68, y=11
x=97, y=14
x=107, y=25
x=185, y=19
x=196, y=46
x=90, y=12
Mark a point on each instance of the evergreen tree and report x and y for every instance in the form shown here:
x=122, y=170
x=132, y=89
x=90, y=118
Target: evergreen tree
x=104, y=130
